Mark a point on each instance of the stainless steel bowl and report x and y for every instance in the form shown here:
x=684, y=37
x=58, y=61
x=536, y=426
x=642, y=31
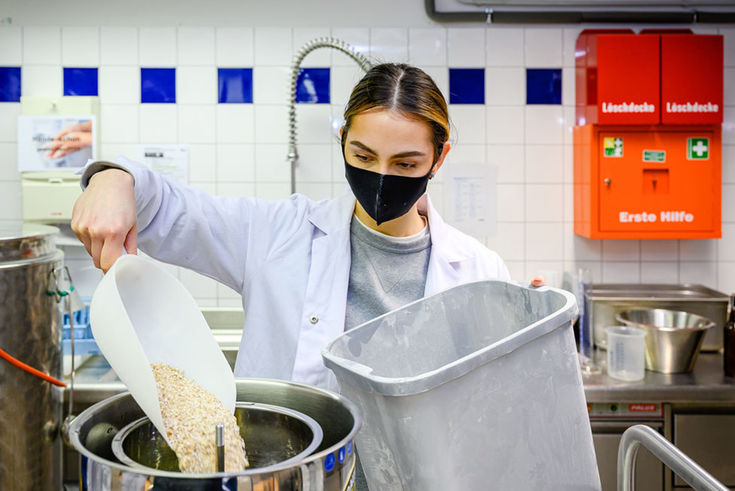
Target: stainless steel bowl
x=274, y=437
x=673, y=337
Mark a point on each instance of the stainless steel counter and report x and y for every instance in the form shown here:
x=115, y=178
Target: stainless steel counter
x=705, y=387
x=706, y=383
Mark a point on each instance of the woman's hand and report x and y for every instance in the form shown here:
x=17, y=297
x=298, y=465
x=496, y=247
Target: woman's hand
x=104, y=217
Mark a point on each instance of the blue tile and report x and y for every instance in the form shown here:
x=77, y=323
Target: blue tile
x=467, y=86
x=80, y=81
x=543, y=85
x=312, y=86
x=9, y=84
x=158, y=85
x=235, y=85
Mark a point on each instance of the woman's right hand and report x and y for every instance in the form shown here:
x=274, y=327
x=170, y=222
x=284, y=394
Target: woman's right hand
x=104, y=217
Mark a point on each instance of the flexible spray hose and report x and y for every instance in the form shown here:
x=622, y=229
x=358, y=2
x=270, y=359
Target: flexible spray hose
x=322, y=42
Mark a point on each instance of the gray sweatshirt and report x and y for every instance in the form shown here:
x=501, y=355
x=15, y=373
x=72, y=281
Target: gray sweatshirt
x=386, y=272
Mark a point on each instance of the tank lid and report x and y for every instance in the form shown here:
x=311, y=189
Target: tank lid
x=23, y=241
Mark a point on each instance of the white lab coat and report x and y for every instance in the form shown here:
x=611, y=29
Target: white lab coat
x=289, y=258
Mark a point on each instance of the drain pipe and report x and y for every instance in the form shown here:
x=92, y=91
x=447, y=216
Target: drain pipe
x=322, y=42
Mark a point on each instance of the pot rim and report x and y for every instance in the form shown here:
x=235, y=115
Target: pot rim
x=620, y=317
x=316, y=431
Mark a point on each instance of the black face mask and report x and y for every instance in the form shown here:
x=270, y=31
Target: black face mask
x=385, y=197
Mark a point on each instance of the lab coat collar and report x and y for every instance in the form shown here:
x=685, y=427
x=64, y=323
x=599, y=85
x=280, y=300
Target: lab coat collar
x=451, y=250
x=332, y=216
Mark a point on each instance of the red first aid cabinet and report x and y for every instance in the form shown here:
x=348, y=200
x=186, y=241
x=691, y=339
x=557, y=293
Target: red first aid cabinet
x=647, y=145
x=644, y=183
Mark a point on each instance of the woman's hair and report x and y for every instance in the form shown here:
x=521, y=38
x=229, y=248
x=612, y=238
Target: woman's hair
x=405, y=89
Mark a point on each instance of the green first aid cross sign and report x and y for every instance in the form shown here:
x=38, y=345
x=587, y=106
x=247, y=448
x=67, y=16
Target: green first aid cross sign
x=697, y=148
x=613, y=146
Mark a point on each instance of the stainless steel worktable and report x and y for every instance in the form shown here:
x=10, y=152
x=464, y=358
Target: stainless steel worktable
x=705, y=387
x=95, y=381
x=706, y=383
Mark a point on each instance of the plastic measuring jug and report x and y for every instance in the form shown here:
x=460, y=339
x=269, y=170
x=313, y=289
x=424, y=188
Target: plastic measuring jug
x=626, y=352
x=141, y=314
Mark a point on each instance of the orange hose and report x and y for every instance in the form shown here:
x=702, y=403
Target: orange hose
x=30, y=369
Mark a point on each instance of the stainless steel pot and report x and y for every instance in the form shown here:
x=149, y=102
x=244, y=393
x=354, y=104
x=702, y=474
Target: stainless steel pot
x=30, y=331
x=330, y=467
x=274, y=437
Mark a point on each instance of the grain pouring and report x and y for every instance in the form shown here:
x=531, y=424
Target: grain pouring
x=190, y=414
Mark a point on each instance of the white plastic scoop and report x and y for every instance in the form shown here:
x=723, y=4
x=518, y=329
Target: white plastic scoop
x=140, y=314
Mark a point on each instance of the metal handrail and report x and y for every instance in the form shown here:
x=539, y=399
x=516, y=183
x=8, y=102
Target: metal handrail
x=676, y=460
x=323, y=42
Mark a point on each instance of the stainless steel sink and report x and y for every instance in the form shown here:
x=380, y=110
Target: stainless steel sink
x=605, y=301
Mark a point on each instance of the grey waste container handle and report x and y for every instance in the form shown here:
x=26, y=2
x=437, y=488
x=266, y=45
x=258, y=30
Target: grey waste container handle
x=666, y=452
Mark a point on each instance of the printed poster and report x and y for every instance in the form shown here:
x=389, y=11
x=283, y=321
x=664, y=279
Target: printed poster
x=56, y=142
x=471, y=197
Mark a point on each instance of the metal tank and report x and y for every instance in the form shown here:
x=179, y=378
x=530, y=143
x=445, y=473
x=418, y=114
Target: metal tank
x=30, y=332
x=328, y=468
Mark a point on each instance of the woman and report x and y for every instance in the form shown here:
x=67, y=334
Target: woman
x=307, y=270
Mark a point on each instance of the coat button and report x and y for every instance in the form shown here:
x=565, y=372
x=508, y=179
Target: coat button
x=314, y=319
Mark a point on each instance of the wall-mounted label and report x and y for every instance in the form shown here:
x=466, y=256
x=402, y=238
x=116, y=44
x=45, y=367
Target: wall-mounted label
x=663, y=216
x=170, y=160
x=468, y=198
x=628, y=107
x=654, y=155
x=697, y=148
x=613, y=146
x=692, y=107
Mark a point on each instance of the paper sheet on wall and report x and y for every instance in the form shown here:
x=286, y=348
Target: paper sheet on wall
x=470, y=198
x=171, y=161
x=56, y=143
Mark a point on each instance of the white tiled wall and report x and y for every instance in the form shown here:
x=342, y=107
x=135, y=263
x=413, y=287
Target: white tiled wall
x=241, y=149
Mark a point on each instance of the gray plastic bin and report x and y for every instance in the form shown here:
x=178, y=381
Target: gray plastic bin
x=474, y=388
